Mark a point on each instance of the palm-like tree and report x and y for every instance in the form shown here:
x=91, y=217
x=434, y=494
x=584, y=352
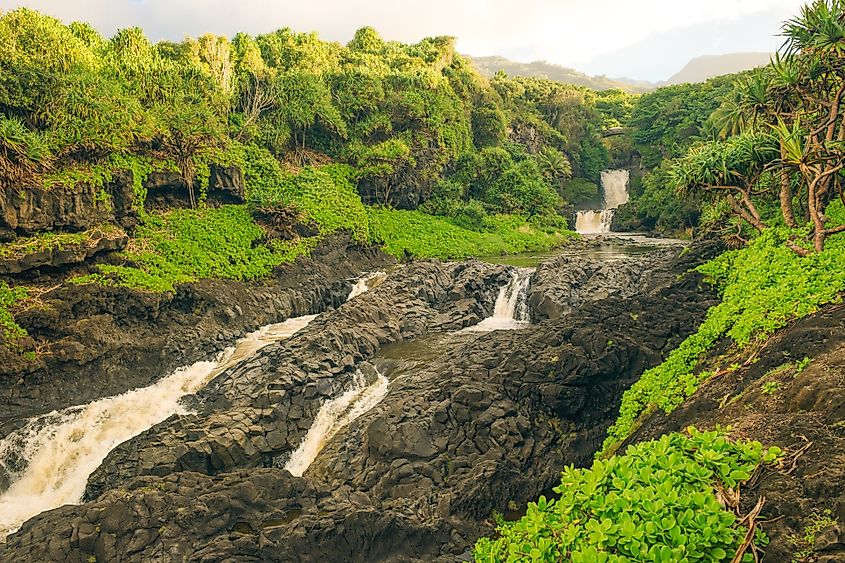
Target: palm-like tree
x=554, y=164
x=811, y=74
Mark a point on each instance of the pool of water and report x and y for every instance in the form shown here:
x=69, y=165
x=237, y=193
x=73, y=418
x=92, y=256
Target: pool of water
x=611, y=247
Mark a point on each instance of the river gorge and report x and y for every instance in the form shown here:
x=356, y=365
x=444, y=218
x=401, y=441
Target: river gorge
x=391, y=419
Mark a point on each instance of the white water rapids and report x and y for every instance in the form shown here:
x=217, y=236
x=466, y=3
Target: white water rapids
x=615, y=186
x=368, y=388
x=48, y=461
x=511, y=309
x=366, y=283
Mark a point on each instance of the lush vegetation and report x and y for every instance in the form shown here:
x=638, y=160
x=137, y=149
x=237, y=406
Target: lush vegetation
x=657, y=502
x=764, y=286
x=10, y=331
x=416, y=234
x=184, y=245
x=376, y=122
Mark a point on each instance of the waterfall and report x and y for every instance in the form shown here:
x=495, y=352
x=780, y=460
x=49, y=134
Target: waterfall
x=511, y=308
x=615, y=186
x=590, y=222
x=366, y=282
x=49, y=459
x=368, y=388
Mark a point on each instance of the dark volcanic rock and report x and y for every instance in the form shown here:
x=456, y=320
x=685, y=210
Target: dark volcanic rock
x=102, y=341
x=562, y=285
x=168, y=188
x=485, y=424
x=226, y=184
x=258, y=412
x=100, y=242
x=25, y=211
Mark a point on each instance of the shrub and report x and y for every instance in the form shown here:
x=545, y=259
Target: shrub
x=10, y=331
x=655, y=503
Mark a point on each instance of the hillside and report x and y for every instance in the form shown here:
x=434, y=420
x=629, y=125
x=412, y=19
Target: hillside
x=700, y=69
x=489, y=66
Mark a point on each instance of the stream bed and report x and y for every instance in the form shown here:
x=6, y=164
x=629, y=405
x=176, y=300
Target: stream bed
x=434, y=395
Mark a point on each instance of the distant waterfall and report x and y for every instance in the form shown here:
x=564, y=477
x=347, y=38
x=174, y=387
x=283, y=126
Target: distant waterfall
x=511, y=308
x=615, y=186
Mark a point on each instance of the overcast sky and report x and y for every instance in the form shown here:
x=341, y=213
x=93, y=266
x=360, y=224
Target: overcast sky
x=643, y=39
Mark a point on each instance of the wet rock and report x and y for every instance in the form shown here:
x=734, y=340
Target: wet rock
x=405, y=306
x=103, y=341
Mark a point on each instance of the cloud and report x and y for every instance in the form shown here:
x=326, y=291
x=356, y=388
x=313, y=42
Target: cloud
x=568, y=32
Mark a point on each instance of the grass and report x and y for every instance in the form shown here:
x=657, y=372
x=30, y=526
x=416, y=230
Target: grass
x=425, y=236
x=764, y=286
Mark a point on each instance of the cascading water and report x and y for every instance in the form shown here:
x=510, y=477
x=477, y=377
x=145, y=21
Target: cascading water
x=368, y=388
x=366, y=283
x=615, y=186
x=48, y=461
x=511, y=309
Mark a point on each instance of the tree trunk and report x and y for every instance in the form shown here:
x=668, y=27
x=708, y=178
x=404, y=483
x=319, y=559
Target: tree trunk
x=187, y=170
x=786, y=199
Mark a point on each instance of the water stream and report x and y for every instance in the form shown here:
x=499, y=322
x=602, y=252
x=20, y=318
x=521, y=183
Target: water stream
x=48, y=460
x=368, y=388
x=511, y=309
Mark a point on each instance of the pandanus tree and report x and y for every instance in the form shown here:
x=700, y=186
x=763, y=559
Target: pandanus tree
x=732, y=171
x=811, y=73
x=755, y=103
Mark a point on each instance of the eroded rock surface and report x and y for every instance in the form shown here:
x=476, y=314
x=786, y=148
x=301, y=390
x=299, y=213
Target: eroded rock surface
x=26, y=211
x=257, y=413
x=102, y=341
x=485, y=423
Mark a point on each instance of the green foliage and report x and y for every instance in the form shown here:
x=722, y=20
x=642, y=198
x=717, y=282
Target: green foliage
x=656, y=503
x=522, y=190
x=419, y=235
x=10, y=331
x=763, y=287
x=186, y=245
x=669, y=120
x=659, y=206
x=579, y=191
x=327, y=196
x=815, y=523
x=770, y=387
x=489, y=124
x=49, y=241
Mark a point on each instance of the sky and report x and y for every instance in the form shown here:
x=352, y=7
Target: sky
x=640, y=39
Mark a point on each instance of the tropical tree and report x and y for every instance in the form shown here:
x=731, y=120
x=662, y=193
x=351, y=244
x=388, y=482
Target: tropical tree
x=554, y=165
x=811, y=72
x=733, y=170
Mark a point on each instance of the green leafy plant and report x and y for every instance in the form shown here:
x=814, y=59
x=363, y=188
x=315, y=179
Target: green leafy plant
x=770, y=387
x=657, y=503
x=764, y=286
x=10, y=331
